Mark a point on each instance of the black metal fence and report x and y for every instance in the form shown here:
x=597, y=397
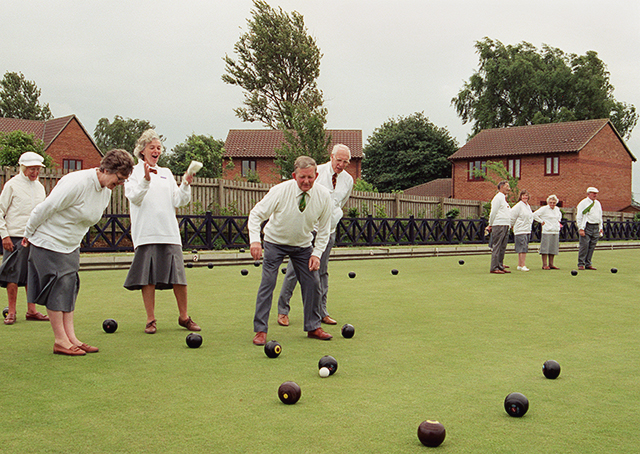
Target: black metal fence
x=207, y=232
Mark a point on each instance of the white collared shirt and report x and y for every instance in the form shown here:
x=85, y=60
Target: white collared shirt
x=340, y=195
x=19, y=196
x=500, y=210
x=287, y=224
x=594, y=216
x=551, y=219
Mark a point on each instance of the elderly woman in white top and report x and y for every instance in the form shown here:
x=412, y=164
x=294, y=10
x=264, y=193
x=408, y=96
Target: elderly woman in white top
x=19, y=196
x=158, y=262
x=521, y=220
x=549, y=216
x=53, y=234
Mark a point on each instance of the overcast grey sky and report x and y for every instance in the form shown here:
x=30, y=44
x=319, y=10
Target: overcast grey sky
x=162, y=60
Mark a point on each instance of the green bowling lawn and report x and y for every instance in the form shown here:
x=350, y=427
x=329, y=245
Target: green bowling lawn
x=438, y=341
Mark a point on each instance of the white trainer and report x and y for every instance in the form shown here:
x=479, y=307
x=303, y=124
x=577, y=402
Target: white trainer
x=523, y=268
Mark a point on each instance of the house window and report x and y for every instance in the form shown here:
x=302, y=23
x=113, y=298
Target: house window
x=71, y=164
x=513, y=166
x=551, y=166
x=474, y=168
x=248, y=165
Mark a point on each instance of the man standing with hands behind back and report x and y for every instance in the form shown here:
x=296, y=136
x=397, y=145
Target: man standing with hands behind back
x=499, y=225
x=589, y=221
x=331, y=175
x=294, y=208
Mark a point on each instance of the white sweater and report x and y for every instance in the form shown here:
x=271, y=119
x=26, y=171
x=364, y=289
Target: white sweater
x=551, y=219
x=19, y=197
x=500, y=210
x=74, y=205
x=521, y=218
x=340, y=195
x=287, y=225
x=153, y=206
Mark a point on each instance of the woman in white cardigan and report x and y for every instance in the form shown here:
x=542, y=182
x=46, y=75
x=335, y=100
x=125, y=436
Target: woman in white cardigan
x=521, y=220
x=549, y=216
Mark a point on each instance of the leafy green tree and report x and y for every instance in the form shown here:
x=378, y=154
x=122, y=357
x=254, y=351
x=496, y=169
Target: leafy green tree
x=19, y=99
x=201, y=148
x=121, y=133
x=406, y=152
x=495, y=172
x=363, y=186
x=521, y=85
x=14, y=143
x=308, y=137
x=277, y=66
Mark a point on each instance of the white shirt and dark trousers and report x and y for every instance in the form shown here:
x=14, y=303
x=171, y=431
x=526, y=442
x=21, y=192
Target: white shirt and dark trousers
x=591, y=222
x=289, y=232
x=500, y=222
x=339, y=196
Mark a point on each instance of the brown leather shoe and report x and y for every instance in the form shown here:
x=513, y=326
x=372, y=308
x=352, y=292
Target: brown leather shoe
x=581, y=267
x=497, y=272
x=590, y=268
x=37, y=316
x=283, y=319
x=88, y=348
x=260, y=338
x=10, y=319
x=189, y=324
x=506, y=271
x=329, y=321
x=319, y=334
x=72, y=351
x=151, y=327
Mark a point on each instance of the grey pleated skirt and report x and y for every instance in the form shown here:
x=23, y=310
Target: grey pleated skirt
x=53, y=278
x=521, y=243
x=161, y=265
x=549, y=244
x=15, y=265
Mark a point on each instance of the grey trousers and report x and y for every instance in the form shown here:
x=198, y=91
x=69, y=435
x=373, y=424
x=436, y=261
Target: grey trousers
x=499, y=240
x=274, y=254
x=587, y=244
x=290, y=281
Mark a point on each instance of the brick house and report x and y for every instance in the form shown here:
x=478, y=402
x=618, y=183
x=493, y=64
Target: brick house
x=253, y=149
x=440, y=187
x=556, y=158
x=65, y=140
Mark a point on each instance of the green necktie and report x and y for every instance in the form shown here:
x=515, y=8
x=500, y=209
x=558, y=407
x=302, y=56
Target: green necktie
x=303, y=201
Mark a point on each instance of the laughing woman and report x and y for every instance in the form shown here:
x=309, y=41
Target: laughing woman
x=53, y=234
x=158, y=262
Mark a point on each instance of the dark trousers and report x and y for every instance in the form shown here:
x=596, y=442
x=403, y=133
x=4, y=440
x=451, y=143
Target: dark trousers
x=499, y=240
x=273, y=255
x=587, y=244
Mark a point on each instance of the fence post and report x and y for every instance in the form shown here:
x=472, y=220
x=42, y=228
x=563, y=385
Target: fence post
x=369, y=230
x=208, y=222
x=396, y=205
x=412, y=230
x=221, y=193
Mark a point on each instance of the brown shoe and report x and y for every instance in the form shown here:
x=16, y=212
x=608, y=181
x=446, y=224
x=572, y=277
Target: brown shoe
x=88, y=348
x=590, y=268
x=581, y=268
x=189, y=324
x=37, y=316
x=552, y=267
x=10, y=319
x=151, y=327
x=319, y=334
x=72, y=351
x=497, y=272
x=260, y=338
x=283, y=319
x=329, y=321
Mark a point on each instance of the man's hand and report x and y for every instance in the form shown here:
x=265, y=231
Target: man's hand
x=25, y=242
x=314, y=263
x=256, y=250
x=7, y=244
x=581, y=232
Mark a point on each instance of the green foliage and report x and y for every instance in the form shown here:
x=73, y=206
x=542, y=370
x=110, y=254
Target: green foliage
x=307, y=138
x=121, y=133
x=252, y=176
x=452, y=213
x=521, y=85
x=19, y=99
x=381, y=210
x=406, y=152
x=353, y=213
x=363, y=186
x=495, y=172
x=14, y=143
x=201, y=148
x=636, y=217
x=277, y=66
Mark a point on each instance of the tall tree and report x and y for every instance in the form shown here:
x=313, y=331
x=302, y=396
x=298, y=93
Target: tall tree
x=307, y=137
x=121, y=133
x=521, y=85
x=277, y=66
x=19, y=99
x=201, y=148
x=406, y=152
x=14, y=143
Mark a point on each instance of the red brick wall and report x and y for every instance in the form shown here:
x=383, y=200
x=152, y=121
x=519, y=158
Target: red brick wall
x=73, y=143
x=603, y=163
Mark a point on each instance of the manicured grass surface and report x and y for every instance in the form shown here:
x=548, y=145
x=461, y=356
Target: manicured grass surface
x=438, y=341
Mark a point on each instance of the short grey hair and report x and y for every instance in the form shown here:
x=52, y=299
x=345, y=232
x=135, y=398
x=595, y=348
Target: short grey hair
x=146, y=138
x=304, y=162
x=341, y=146
x=552, y=197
